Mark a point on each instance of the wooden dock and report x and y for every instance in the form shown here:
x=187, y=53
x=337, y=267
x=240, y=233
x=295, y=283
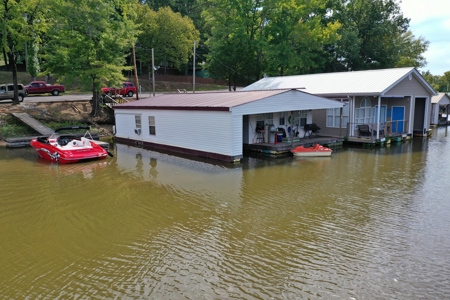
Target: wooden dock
x=33, y=123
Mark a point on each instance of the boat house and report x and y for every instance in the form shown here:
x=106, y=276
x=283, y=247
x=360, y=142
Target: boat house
x=217, y=124
x=378, y=103
x=440, y=109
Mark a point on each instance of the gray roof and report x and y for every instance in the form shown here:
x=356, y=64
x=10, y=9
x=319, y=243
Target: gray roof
x=372, y=82
x=214, y=101
x=441, y=98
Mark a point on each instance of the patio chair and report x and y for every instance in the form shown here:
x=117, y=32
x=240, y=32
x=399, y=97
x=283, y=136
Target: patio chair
x=364, y=130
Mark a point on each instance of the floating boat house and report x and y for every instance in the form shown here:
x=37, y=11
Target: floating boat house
x=378, y=103
x=216, y=125
x=440, y=109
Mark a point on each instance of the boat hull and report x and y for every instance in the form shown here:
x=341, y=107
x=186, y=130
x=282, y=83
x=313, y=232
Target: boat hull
x=316, y=151
x=62, y=156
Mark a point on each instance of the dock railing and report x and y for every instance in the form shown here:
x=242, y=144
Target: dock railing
x=388, y=128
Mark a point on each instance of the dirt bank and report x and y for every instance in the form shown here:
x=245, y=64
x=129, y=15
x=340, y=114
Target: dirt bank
x=78, y=111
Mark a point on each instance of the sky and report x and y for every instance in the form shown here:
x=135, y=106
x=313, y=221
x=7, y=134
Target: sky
x=431, y=20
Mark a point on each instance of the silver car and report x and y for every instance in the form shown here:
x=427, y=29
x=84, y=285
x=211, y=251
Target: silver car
x=7, y=91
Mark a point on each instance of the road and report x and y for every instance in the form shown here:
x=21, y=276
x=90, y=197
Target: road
x=70, y=97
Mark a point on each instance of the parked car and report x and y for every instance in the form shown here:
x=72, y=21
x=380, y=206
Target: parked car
x=40, y=87
x=7, y=91
x=128, y=89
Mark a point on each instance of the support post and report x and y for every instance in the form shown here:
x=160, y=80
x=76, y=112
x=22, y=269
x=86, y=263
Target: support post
x=136, y=80
x=153, y=72
x=193, y=72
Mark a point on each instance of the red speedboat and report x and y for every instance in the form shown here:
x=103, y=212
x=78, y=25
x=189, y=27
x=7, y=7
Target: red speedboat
x=316, y=150
x=67, y=149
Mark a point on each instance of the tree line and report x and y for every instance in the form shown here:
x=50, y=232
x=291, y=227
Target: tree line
x=237, y=40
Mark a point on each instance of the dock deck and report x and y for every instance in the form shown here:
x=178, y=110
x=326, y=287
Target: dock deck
x=33, y=123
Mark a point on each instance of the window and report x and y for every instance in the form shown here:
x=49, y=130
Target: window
x=151, y=125
x=269, y=118
x=303, y=114
x=334, y=115
x=364, y=114
x=282, y=118
x=260, y=122
x=137, y=121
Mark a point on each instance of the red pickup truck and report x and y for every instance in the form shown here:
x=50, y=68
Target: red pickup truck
x=128, y=89
x=40, y=87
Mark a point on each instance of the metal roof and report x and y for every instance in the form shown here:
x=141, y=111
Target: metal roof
x=372, y=82
x=440, y=97
x=215, y=101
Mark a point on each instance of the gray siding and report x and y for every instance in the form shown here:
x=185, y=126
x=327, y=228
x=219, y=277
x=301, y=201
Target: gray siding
x=408, y=87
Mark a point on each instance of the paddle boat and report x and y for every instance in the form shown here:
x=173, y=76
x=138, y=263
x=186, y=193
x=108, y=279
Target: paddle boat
x=66, y=149
x=316, y=150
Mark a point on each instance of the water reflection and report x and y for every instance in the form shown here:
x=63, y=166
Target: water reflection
x=145, y=224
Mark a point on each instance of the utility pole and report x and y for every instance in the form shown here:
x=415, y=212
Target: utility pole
x=193, y=72
x=153, y=72
x=136, y=80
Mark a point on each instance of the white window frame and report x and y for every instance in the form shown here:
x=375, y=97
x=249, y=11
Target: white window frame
x=334, y=115
x=151, y=125
x=138, y=121
x=364, y=114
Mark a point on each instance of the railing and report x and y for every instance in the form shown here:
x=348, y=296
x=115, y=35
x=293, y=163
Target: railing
x=388, y=128
x=112, y=100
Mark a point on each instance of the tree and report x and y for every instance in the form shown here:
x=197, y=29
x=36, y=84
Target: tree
x=412, y=50
x=171, y=36
x=371, y=32
x=234, y=40
x=295, y=33
x=439, y=83
x=21, y=21
x=89, y=41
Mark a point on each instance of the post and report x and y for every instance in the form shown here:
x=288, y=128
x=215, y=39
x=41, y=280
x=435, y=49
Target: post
x=153, y=72
x=193, y=71
x=136, y=80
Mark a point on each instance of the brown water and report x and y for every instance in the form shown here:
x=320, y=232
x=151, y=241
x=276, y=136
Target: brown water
x=363, y=224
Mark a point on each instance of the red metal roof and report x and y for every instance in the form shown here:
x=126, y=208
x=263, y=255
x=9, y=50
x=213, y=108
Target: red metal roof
x=200, y=101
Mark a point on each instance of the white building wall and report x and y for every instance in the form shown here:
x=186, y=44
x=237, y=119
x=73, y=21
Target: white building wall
x=288, y=101
x=237, y=135
x=208, y=131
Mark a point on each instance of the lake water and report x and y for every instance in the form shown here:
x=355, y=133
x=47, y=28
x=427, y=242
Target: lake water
x=362, y=224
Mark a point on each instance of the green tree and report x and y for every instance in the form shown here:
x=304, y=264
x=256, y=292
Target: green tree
x=171, y=36
x=371, y=32
x=21, y=21
x=234, y=40
x=89, y=41
x=412, y=50
x=439, y=83
x=32, y=59
x=295, y=34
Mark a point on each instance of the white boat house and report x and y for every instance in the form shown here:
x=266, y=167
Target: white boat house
x=217, y=124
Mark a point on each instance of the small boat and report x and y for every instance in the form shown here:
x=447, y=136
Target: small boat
x=67, y=149
x=316, y=150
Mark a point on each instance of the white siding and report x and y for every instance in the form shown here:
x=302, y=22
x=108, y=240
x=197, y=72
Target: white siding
x=289, y=101
x=208, y=131
x=237, y=135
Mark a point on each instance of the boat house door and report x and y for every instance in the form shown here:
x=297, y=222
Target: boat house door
x=398, y=115
x=419, y=115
